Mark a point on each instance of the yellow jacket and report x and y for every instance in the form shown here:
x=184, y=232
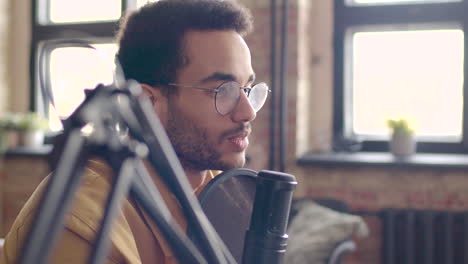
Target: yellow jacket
x=134, y=237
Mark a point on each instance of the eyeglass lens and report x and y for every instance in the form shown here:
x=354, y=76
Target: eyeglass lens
x=228, y=97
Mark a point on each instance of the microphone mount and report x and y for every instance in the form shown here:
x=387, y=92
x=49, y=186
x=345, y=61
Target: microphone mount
x=125, y=130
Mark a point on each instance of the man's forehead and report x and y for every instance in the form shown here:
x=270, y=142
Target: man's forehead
x=217, y=55
x=221, y=44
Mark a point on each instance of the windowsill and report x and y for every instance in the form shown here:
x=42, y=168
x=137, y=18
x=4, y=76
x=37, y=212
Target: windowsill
x=385, y=159
x=29, y=151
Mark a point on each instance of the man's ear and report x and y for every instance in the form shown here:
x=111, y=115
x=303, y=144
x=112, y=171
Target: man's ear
x=158, y=99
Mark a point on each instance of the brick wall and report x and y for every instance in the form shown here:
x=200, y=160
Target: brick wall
x=369, y=189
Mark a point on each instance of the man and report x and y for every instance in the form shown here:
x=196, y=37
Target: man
x=195, y=67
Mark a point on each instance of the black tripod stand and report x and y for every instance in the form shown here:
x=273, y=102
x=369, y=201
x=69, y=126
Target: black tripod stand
x=121, y=110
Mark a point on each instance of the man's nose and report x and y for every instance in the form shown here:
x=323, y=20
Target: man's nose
x=243, y=111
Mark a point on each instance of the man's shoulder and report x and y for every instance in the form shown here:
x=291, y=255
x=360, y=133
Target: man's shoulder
x=87, y=203
x=82, y=219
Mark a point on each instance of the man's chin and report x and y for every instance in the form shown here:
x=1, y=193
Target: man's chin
x=235, y=161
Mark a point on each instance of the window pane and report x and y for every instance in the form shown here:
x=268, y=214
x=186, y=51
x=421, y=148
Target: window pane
x=72, y=11
x=390, y=2
x=414, y=74
x=74, y=69
x=143, y=2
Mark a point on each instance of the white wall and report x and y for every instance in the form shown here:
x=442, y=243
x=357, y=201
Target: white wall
x=15, y=35
x=19, y=52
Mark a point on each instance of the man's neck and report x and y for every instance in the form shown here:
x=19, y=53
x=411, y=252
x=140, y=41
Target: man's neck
x=195, y=177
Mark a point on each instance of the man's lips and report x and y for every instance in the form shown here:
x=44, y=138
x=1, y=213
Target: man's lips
x=239, y=141
x=242, y=134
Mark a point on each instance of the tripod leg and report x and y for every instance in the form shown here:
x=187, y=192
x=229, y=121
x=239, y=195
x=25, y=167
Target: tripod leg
x=145, y=126
x=148, y=197
x=119, y=190
x=55, y=201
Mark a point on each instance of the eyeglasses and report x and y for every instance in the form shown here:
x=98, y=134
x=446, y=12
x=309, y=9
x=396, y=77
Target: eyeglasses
x=227, y=95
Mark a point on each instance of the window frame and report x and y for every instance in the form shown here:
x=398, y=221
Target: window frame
x=347, y=16
x=44, y=31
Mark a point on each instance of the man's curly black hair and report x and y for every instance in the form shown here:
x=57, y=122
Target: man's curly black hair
x=150, y=39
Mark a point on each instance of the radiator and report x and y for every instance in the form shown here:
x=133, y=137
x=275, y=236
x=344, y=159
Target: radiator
x=424, y=237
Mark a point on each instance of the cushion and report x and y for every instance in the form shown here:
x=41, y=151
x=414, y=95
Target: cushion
x=316, y=230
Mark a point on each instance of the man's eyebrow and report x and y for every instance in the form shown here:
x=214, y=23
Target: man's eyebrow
x=221, y=76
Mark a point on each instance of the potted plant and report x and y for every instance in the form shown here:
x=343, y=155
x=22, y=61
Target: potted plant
x=22, y=129
x=9, y=136
x=403, y=141
x=32, y=127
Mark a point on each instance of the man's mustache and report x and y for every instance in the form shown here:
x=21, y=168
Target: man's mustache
x=234, y=131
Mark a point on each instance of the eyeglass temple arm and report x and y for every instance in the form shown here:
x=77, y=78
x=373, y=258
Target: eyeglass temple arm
x=194, y=87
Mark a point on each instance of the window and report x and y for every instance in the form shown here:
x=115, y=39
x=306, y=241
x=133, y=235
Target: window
x=68, y=68
x=400, y=59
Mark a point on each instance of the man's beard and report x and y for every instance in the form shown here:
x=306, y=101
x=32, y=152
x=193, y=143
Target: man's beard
x=191, y=143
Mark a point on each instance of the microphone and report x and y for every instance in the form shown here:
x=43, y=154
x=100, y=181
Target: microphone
x=266, y=238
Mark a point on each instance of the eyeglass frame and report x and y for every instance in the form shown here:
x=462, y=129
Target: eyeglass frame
x=216, y=90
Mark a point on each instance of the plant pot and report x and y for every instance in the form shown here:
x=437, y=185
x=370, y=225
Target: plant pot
x=10, y=139
x=31, y=139
x=403, y=144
